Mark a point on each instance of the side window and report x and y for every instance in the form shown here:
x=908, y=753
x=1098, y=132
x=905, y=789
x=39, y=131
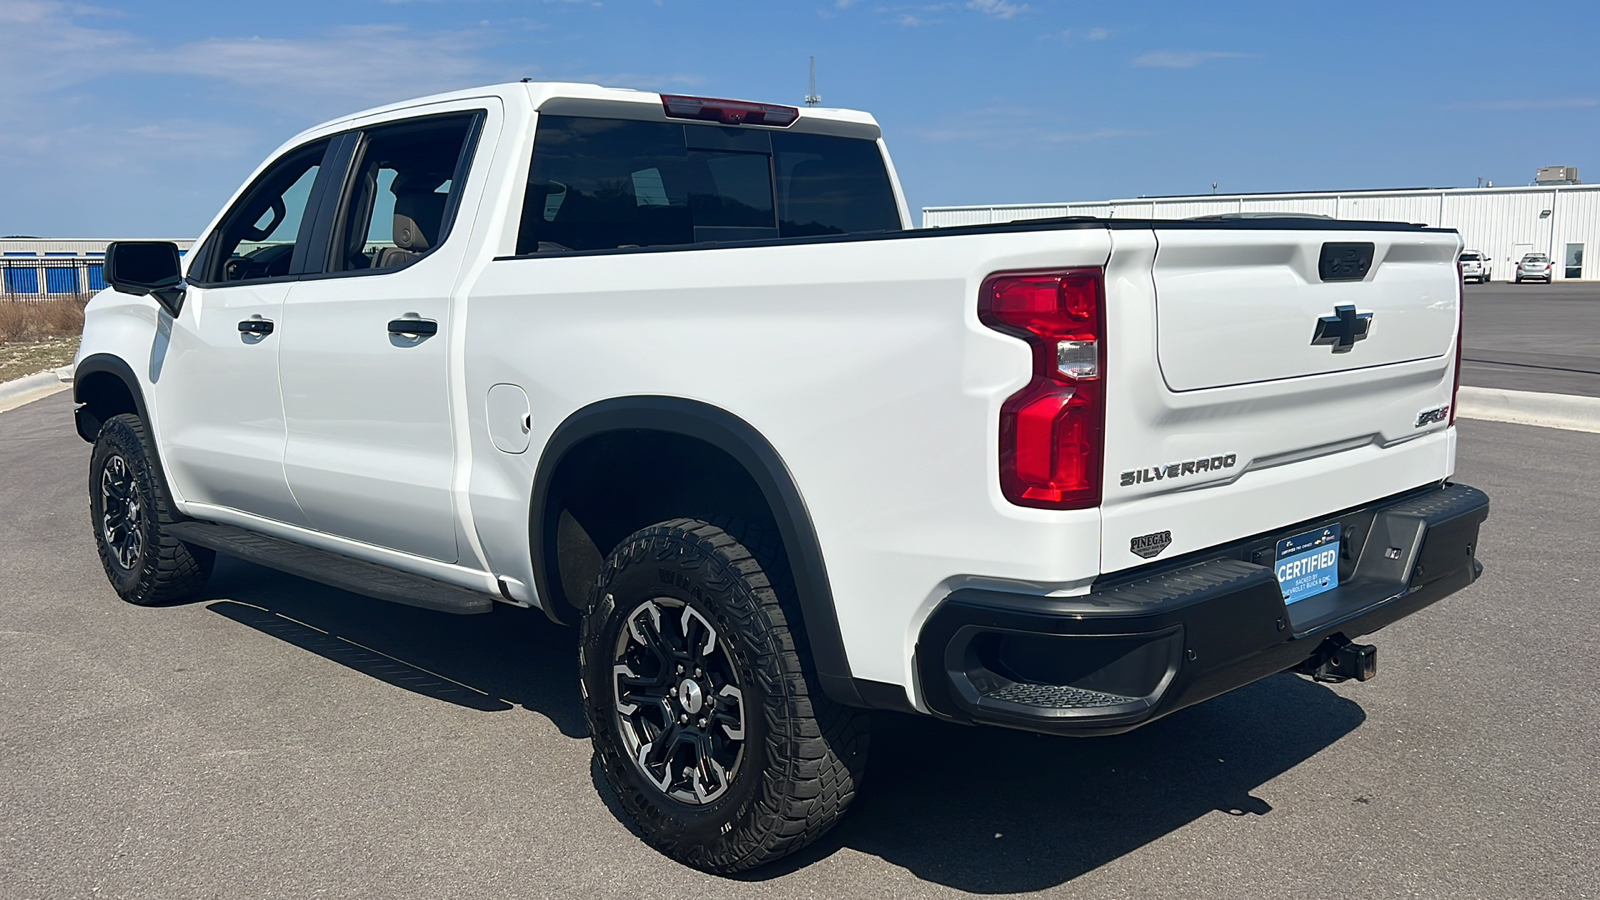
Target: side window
x=601, y=184
x=597, y=184
x=257, y=237
x=399, y=200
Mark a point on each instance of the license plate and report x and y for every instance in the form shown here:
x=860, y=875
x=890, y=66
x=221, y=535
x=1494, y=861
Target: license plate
x=1308, y=564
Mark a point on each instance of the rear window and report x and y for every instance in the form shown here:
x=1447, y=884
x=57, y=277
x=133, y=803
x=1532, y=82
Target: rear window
x=601, y=184
x=1469, y=257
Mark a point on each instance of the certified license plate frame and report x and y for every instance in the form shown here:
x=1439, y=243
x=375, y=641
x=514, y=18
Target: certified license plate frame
x=1302, y=565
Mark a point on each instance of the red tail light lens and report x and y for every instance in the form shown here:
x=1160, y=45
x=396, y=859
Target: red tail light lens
x=728, y=112
x=1052, y=432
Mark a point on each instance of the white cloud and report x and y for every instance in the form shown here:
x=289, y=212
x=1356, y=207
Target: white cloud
x=914, y=14
x=1072, y=35
x=1024, y=135
x=120, y=119
x=1001, y=126
x=1562, y=103
x=343, y=69
x=636, y=80
x=1184, y=59
x=1000, y=9
x=50, y=53
x=46, y=48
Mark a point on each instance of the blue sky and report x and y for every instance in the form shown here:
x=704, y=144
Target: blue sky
x=125, y=119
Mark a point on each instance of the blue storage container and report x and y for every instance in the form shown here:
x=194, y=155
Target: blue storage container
x=61, y=280
x=22, y=281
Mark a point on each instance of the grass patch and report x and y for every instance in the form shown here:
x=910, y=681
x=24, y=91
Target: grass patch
x=38, y=336
x=17, y=360
x=27, y=321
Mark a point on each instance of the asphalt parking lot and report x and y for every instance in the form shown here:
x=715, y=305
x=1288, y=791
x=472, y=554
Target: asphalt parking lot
x=282, y=739
x=1533, y=337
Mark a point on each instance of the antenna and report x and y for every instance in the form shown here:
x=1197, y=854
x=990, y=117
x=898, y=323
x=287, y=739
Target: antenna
x=812, y=99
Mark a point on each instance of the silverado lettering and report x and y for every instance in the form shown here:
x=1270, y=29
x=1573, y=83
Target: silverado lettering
x=1179, y=469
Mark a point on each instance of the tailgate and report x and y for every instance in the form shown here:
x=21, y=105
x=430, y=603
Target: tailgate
x=1240, y=307
x=1260, y=377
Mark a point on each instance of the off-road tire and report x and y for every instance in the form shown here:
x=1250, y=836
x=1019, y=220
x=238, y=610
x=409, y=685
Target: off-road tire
x=161, y=569
x=803, y=754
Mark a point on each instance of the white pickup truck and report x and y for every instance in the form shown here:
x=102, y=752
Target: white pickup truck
x=678, y=370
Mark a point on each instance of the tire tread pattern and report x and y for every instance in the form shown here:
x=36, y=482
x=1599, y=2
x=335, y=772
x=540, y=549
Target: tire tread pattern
x=815, y=749
x=170, y=571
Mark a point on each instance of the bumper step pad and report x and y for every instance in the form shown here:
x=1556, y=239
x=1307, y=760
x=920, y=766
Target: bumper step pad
x=1056, y=696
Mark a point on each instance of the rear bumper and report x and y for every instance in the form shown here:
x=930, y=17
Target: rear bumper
x=1153, y=641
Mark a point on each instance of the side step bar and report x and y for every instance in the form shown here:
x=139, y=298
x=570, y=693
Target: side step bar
x=354, y=575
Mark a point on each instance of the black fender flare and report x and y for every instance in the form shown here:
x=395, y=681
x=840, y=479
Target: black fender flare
x=88, y=423
x=747, y=446
x=97, y=363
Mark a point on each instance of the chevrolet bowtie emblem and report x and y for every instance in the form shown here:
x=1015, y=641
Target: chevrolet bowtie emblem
x=1342, y=329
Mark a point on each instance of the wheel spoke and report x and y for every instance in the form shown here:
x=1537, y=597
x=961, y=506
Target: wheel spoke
x=678, y=708
x=708, y=778
x=121, y=512
x=113, y=488
x=730, y=715
x=698, y=649
x=644, y=626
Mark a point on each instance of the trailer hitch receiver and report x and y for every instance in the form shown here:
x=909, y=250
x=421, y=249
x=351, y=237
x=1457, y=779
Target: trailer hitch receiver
x=1339, y=659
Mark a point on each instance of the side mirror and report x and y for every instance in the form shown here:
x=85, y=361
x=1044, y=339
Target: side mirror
x=147, y=267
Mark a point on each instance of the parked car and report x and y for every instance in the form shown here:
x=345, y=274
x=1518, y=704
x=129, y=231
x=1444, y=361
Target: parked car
x=679, y=371
x=1534, y=267
x=1475, y=266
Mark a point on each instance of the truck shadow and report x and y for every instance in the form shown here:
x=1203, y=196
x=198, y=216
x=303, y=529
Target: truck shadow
x=506, y=659
x=988, y=810
x=984, y=810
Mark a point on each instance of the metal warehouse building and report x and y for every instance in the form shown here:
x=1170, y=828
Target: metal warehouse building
x=43, y=268
x=1562, y=221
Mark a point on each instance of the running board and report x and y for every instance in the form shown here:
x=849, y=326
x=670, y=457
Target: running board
x=347, y=573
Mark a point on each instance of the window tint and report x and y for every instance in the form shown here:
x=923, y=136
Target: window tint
x=598, y=184
x=601, y=183
x=258, y=235
x=399, y=193
x=832, y=185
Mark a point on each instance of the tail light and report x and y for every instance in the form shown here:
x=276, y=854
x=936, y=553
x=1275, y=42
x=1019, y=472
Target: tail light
x=1461, y=338
x=1052, y=431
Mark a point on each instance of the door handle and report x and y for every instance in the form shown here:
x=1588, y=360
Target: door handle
x=416, y=329
x=256, y=326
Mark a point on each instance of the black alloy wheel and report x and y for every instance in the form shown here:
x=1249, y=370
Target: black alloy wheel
x=705, y=717
x=679, y=705
x=122, y=524
x=130, y=510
